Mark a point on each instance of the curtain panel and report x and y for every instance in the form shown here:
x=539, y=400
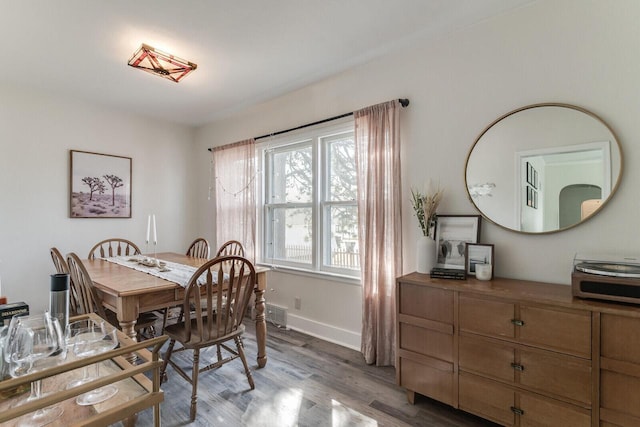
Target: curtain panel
x=234, y=171
x=377, y=136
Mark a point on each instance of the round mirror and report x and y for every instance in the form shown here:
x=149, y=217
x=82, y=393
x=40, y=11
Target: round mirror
x=543, y=168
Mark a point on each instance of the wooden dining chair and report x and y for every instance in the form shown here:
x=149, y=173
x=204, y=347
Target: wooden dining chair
x=90, y=301
x=113, y=247
x=232, y=247
x=62, y=268
x=219, y=291
x=199, y=248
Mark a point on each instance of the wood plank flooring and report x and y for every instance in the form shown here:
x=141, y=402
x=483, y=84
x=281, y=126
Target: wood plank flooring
x=307, y=382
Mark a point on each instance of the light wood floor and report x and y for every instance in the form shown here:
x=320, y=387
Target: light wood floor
x=307, y=382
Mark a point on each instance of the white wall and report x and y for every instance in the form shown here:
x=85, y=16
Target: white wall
x=36, y=133
x=578, y=52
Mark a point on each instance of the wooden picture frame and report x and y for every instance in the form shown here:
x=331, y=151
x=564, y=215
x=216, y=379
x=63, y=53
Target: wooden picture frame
x=452, y=233
x=100, y=185
x=478, y=253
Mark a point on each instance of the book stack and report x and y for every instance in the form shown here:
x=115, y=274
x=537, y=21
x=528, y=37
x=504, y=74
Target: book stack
x=7, y=311
x=448, y=273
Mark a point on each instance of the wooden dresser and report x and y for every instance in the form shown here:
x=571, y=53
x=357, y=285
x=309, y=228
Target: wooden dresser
x=519, y=353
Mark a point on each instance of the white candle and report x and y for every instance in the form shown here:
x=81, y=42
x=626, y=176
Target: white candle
x=155, y=234
x=148, y=227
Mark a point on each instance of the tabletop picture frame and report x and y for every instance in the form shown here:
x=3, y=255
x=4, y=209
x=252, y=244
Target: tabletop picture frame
x=453, y=232
x=478, y=253
x=100, y=185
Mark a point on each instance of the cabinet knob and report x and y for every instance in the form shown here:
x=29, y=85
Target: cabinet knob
x=517, y=367
x=517, y=322
x=517, y=411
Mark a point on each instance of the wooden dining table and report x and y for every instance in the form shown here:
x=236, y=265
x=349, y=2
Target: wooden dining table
x=129, y=292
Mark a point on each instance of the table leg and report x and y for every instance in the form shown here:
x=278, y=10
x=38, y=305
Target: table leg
x=127, y=316
x=261, y=328
x=129, y=328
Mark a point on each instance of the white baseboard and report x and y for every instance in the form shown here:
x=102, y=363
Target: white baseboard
x=324, y=331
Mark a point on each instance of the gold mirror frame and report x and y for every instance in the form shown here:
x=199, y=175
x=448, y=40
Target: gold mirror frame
x=614, y=144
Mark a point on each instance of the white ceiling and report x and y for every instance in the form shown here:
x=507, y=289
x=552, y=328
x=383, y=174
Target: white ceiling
x=247, y=51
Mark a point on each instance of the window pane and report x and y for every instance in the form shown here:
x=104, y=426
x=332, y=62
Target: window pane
x=342, y=167
x=292, y=234
x=291, y=177
x=344, y=237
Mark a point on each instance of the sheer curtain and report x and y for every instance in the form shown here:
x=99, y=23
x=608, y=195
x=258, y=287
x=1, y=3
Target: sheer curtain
x=234, y=169
x=377, y=136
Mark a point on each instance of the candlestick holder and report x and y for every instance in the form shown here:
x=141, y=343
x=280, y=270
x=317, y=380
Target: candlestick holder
x=155, y=256
x=145, y=257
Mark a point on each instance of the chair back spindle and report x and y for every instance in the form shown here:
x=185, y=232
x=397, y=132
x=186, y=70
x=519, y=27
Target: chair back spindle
x=113, y=247
x=199, y=248
x=88, y=299
x=232, y=247
x=220, y=292
x=62, y=268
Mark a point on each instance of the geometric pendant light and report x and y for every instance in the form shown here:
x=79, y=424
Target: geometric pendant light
x=161, y=64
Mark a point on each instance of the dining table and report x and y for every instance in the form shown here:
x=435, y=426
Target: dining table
x=129, y=292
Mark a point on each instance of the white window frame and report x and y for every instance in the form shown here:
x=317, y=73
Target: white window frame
x=320, y=205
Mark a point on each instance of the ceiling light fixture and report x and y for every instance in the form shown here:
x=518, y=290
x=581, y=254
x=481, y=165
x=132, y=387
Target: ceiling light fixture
x=161, y=64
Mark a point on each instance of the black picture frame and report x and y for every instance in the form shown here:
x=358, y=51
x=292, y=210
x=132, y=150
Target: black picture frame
x=452, y=233
x=478, y=253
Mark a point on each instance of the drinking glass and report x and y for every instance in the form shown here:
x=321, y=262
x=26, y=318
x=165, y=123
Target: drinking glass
x=32, y=343
x=88, y=338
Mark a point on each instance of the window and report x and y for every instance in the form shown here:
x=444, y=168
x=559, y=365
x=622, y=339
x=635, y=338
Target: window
x=309, y=215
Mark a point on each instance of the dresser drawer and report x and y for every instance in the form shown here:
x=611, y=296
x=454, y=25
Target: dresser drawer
x=507, y=406
x=432, y=380
x=486, y=398
x=556, y=374
x=568, y=331
x=493, y=360
x=425, y=303
x=620, y=393
x=426, y=341
x=539, y=411
x=620, y=338
x=487, y=317
x=562, y=376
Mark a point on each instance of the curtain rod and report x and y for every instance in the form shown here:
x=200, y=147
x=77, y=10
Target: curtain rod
x=403, y=101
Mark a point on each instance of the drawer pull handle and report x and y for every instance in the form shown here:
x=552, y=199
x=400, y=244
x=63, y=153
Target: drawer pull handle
x=517, y=411
x=517, y=322
x=517, y=367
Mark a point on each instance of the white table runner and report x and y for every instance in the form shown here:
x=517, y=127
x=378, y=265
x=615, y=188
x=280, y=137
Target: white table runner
x=173, y=272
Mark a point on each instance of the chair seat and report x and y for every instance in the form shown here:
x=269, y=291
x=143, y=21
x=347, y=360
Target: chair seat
x=178, y=331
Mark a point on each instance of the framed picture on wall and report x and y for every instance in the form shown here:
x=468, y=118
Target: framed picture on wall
x=453, y=232
x=100, y=185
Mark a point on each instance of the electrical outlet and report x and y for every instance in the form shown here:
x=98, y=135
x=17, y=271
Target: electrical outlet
x=298, y=303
